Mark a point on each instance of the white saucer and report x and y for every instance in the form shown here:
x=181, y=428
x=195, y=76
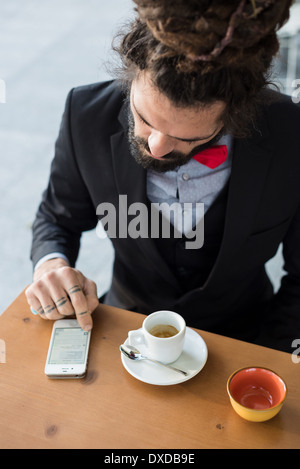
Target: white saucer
x=192, y=360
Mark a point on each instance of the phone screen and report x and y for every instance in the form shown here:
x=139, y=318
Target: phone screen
x=69, y=346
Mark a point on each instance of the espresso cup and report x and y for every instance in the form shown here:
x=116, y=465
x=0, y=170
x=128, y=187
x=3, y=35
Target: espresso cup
x=163, y=334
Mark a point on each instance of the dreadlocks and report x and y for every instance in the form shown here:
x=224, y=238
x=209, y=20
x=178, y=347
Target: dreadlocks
x=200, y=51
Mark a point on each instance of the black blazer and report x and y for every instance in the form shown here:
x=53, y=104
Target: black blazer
x=92, y=164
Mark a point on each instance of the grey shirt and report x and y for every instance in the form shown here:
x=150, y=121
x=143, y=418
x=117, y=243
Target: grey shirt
x=187, y=185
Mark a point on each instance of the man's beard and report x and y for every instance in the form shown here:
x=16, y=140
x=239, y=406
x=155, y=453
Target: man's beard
x=139, y=148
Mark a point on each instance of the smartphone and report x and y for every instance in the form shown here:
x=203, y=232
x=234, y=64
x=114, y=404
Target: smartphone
x=68, y=350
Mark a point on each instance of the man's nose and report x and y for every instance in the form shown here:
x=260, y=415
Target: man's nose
x=160, y=144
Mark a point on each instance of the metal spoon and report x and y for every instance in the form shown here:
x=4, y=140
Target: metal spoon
x=134, y=354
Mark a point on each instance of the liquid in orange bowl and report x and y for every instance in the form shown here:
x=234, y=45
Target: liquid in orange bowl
x=256, y=394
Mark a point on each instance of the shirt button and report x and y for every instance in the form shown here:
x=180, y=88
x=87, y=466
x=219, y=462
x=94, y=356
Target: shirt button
x=185, y=177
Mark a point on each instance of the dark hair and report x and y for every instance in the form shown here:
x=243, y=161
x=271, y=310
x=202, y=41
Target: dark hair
x=200, y=51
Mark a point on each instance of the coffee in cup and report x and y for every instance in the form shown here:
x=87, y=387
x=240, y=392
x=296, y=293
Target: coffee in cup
x=163, y=334
x=163, y=331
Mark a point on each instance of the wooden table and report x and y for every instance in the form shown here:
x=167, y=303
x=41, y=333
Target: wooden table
x=111, y=409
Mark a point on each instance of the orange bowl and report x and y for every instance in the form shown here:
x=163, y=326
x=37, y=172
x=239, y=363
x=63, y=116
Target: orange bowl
x=256, y=394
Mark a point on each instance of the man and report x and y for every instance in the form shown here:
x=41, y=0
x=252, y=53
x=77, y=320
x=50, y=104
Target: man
x=147, y=143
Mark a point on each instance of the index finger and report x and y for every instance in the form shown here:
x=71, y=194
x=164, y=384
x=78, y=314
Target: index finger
x=80, y=306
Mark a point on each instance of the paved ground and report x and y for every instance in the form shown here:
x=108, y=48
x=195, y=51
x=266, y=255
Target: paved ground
x=47, y=47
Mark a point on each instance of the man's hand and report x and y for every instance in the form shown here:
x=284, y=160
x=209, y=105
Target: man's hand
x=59, y=290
